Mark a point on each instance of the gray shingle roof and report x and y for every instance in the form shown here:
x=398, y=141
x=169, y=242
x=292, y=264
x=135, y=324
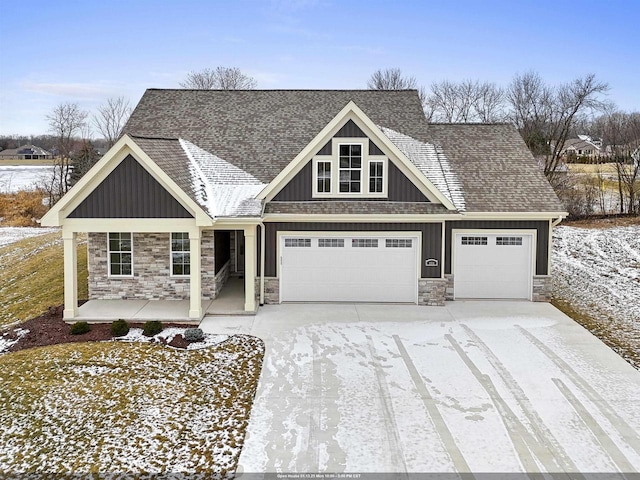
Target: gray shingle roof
x=261, y=131
x=496, y=169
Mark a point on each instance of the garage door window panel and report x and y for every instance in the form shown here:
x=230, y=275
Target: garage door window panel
x=509, y=241
x=297, y=242
x=364, y=243
x=331, y=242
x=474, y=240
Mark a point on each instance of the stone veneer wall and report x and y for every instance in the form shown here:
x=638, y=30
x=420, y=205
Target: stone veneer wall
x=151, y=264
x=542, y=288
x=271, y=290
x=448, y=296
x=431, y=291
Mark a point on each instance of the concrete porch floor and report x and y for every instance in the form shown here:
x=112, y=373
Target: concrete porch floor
x=230, y=301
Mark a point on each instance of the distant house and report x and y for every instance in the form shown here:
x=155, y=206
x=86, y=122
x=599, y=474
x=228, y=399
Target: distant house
x=583, y=147
x=25, y=152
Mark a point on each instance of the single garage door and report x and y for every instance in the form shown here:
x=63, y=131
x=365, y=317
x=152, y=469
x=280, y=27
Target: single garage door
x=348, y=269
x=492, y=265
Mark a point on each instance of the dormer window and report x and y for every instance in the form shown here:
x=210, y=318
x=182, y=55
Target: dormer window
x=323, y=176
x=350, y=169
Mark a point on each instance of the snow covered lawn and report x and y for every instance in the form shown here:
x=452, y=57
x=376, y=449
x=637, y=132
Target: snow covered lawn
x=13, y=234
x=597, y=272
x=132, y=407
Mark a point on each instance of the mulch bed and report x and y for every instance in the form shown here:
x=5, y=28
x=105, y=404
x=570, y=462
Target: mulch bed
x=50, y=329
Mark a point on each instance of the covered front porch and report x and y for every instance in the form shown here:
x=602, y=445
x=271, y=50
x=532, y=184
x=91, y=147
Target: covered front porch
x=236, y=297
x=230, y=301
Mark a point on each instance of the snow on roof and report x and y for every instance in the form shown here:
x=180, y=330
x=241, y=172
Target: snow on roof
x=432, y=163
x=225, y=190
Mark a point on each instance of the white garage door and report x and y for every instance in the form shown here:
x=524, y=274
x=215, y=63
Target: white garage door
x=348, y=269
x=492, y=265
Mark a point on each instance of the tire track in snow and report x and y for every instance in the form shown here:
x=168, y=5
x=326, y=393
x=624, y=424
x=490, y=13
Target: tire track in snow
x=631, y=436
x=440, y=425
x=600, y=435
x=388, y=415
x=523, y=442
x=541, y=433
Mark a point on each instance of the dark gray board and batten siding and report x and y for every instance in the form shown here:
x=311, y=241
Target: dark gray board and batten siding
x=541, y=227
x=400, y=188
x=129, y=191
x=431, y=239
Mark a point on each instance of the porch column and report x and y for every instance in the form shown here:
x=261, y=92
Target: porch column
x=250, y=268
x=70, y=240
x=195, y=277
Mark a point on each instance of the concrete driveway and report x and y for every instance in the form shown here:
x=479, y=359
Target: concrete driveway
x=473, y=386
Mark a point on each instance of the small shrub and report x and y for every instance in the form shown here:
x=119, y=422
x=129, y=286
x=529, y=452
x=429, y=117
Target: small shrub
x=151, y=328
x=193, y=335
x=119, y=328
x=79, y=328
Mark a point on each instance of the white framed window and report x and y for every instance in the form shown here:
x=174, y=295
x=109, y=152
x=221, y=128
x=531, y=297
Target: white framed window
x=349, y=169
x=180, y=256
x=323, y=176
x=350, y=164
x=120, y=254
x=376, y=176
x=474, y=240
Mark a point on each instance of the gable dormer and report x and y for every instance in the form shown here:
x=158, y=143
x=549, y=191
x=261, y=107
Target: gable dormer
x=350, y=166
x=351, y=158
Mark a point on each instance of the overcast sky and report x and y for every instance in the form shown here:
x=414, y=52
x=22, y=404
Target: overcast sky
x=87, y=51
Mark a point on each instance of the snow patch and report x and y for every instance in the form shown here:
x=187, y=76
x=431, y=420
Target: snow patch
x=432, y=163
x=13, y=234
x=167, y=335
x=225, y=190
x=6, y=343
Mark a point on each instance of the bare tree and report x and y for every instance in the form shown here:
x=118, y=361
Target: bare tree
x=393, y=79
x=620, y=133
x=65, y=122
x=467, y=101
x=390, y=79
x=545, y=115
x=220, y=78
x=111, y=118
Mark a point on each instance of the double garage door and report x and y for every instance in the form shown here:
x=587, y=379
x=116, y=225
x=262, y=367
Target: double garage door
x=341, y=268
x=487, y=265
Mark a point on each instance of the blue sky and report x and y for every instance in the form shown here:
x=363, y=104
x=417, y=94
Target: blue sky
x=88, y=51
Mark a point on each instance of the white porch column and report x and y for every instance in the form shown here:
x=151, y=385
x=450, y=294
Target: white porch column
x=250, y=268
x=195, y=276
x=70, y=274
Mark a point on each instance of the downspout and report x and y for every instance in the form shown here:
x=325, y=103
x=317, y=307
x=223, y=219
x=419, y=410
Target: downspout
x=556, y=221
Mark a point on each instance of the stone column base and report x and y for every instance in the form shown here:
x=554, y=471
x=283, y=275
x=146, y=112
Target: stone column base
x=542, y=288
x=432, y=291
